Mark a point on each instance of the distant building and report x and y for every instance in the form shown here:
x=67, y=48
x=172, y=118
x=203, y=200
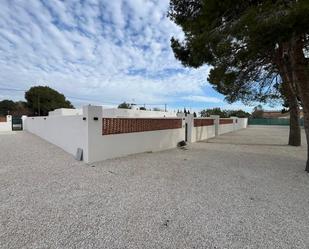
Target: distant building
x=279, y=114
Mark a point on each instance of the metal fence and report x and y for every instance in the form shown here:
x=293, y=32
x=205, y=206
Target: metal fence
x=271, y=121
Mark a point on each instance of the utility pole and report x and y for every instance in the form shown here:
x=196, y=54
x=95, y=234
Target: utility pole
x=165, y=107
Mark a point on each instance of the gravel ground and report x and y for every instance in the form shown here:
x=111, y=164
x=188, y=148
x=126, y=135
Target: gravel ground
x=242, y=190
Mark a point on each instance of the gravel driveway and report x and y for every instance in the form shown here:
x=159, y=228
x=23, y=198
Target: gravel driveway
x=242, y=190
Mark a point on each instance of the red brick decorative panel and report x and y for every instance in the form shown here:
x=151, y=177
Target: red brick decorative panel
x=2, y=119
x=203, y=122
x=226, y=121
x=129, y=125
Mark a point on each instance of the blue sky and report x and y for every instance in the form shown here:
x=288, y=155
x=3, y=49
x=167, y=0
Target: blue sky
x=99, y=51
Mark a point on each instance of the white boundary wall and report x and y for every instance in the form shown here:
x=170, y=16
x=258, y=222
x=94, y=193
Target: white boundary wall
x=117, y=145
x=203, y=133
x=198, y=133
x=85, y=132
x=115, y=113
x=238, y=123
x=206, y=132
x=226, y=128
x=6, y=126
x=131, y=113
x=242, y=123
x=67, y=132
x=65, y=112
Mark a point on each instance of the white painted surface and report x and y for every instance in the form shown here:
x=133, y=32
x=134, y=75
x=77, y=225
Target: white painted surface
x=118, y=145
x=65, y=112
x=111, y=146
x=23, y=118
x=67, y=132
x=225, y=128
x=216, y=122
x=72, y=132
x=202, y=133
x=6, y=126
x=118, y=113
x=198, y=133
x=242, y=123
x=114, y=113
x=238, y=123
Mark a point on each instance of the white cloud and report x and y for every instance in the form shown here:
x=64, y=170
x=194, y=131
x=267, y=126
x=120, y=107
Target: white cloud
x=105, y=50
x=198, y=98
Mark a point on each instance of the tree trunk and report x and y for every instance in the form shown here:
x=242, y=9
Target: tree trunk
x=307, y=137
x=290, y=94
x=295, y=131
x=300, y=70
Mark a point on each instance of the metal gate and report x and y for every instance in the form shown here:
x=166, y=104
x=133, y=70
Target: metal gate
x=17, y=123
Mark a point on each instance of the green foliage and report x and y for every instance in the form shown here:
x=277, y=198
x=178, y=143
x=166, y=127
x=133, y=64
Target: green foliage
x=253, y=46
x=6, y=107
x=239, y=114
x=142, y=108
x=224, y=113
x=42, y=99
x=240, y=40
x=214, y=111
x=257, y=112
x=125, y=105
x=9, y=107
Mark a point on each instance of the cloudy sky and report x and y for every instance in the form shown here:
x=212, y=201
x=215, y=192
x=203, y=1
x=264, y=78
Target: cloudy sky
x=99, y=52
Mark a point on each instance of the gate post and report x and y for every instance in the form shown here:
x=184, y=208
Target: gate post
x=216, y=122
x=93, y=117
x=235, y=123
x=9, y=119
x=23, y=118
x=189, y=127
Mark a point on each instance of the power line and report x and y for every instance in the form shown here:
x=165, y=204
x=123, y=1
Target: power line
x=12, y=89
x=87, y=99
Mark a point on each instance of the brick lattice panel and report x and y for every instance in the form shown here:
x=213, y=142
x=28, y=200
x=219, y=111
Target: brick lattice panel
x=129, y=125
x=203, y=122
x=2, y=119
x=226, y=121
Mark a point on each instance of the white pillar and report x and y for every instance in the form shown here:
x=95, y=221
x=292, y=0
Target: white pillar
x=189, y=122
x=235, y=123
x=93, y=117
x=9, y=118
x=216, y=122
x=23, y=118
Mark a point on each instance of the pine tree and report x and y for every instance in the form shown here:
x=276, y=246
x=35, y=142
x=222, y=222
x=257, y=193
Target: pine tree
x=251, y=43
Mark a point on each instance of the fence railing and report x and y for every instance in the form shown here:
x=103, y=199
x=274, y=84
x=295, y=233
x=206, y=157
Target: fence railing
x=129, y=125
